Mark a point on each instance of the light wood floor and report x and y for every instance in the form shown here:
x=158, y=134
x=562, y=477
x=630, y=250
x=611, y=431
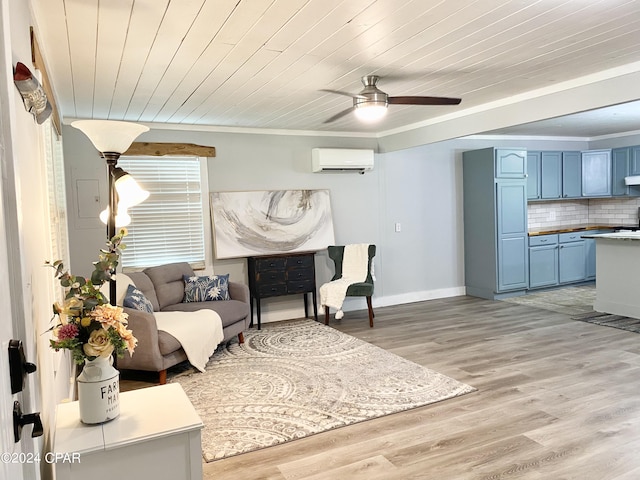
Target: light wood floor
x=557, y=399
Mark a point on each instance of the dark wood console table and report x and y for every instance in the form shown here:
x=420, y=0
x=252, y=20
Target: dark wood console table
x=286, y=274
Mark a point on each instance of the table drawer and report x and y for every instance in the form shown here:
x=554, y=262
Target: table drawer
x=300, y=261
x=270, y=277
x=300, y=286
x=299, y=274
x=272, y=290
x=273, y=263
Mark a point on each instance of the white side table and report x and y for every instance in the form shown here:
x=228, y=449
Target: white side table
x=157, y=435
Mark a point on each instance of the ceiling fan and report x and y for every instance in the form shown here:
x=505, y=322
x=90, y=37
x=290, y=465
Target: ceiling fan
x=371, y=103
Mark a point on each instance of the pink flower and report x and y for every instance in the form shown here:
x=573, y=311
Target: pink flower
x=68, y=331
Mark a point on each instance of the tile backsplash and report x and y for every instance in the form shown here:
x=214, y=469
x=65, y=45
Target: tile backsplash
x=602, y=211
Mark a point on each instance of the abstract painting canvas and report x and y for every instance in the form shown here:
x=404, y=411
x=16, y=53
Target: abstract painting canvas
x=271, y=222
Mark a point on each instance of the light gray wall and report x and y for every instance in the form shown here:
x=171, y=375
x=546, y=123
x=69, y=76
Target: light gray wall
x=625, y=141
x=419, y=187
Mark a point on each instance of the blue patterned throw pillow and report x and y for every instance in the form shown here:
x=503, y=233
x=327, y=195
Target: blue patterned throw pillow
x=136, y=299
x=206, y=288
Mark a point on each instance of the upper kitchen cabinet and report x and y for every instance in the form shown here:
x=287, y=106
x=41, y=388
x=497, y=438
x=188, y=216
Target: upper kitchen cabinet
x=634, y=160
x=596, y=173
x=623, y=162
x=510, y=163
x=495, y=222
x=533, y=175
x=571, y=175
x=551, y=175
x=554, y=175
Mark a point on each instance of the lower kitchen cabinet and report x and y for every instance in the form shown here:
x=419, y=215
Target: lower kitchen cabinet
x=590, y=253
x=560, y=259
x=572, y=263
x=543, y=261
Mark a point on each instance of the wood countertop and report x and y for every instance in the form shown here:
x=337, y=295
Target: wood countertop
x=573, y=228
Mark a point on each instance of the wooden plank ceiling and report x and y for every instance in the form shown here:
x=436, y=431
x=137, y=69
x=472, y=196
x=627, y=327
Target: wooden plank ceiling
x=263, y=63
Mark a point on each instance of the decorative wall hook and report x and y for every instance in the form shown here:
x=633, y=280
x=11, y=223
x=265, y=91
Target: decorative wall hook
x=33, y=96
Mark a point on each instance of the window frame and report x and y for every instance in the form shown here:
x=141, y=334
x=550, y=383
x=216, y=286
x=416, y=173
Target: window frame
x=207, y=262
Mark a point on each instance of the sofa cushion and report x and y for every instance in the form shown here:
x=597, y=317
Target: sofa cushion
x=206, y=288
x=168, y=282
x=230, y=311
x=143, y=283
x=136, y=299
x=167, y=343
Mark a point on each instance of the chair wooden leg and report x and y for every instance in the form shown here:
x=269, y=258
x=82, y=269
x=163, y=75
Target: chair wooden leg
x=162, y=376
x=326, y=315
x=371, y=315
x=241, y=337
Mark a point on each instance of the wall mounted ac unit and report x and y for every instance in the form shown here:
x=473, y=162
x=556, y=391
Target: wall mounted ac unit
x=341, y=160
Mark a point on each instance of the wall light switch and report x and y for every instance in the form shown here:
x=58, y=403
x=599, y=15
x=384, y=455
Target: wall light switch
x=398, y=227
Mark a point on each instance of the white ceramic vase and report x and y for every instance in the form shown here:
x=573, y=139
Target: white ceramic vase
x=99, y=391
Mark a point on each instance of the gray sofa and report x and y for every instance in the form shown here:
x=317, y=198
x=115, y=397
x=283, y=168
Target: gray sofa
x=164, y=288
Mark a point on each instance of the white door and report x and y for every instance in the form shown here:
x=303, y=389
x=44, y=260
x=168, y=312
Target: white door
x=13, y=460
x=9, y=449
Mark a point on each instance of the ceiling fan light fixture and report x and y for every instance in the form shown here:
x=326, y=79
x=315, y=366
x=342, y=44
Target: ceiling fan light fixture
x=370, y=112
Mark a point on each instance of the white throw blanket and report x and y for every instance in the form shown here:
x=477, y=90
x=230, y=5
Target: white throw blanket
x=198, y=332
x=354, y=270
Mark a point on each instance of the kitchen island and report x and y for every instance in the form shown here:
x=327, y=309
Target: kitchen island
x=617, y=273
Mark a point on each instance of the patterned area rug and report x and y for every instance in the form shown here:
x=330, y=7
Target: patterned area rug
x=610, y=320
x=294, y=379
x=569, y=300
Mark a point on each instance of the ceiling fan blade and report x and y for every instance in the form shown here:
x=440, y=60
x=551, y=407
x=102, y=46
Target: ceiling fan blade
x=338, y=92
x=339, y=115
x=346, y=94
x=423, y=101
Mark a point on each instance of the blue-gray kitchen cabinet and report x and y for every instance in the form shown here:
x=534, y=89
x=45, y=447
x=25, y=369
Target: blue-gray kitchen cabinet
x=554, y=175
x=543, y=261
x=551, y=175
x=634, y=160
x=596, y=173
x=572, y=258
x=590, y=252
x=571, y=175
x=533, y=176
x=511, y=210
x=495, y=222
x=622, y=165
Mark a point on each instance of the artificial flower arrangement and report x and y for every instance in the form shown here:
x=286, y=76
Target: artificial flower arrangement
x=88, y=325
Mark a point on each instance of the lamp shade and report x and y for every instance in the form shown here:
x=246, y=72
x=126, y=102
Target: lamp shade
x=122, y=218
x=129, y=191
x=370, y=111
x=110, y=135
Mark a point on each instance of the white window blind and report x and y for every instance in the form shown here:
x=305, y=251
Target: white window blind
x=169, y=225
x=57, y=201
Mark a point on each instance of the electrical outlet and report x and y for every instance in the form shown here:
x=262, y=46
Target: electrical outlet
x=552, y=215
x=398, y=227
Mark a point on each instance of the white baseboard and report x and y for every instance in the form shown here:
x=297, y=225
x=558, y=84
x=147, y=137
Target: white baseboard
x=359, y=303
x=418, y=296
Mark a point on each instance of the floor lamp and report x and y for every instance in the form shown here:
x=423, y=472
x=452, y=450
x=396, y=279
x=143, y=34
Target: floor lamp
x=113, y=138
